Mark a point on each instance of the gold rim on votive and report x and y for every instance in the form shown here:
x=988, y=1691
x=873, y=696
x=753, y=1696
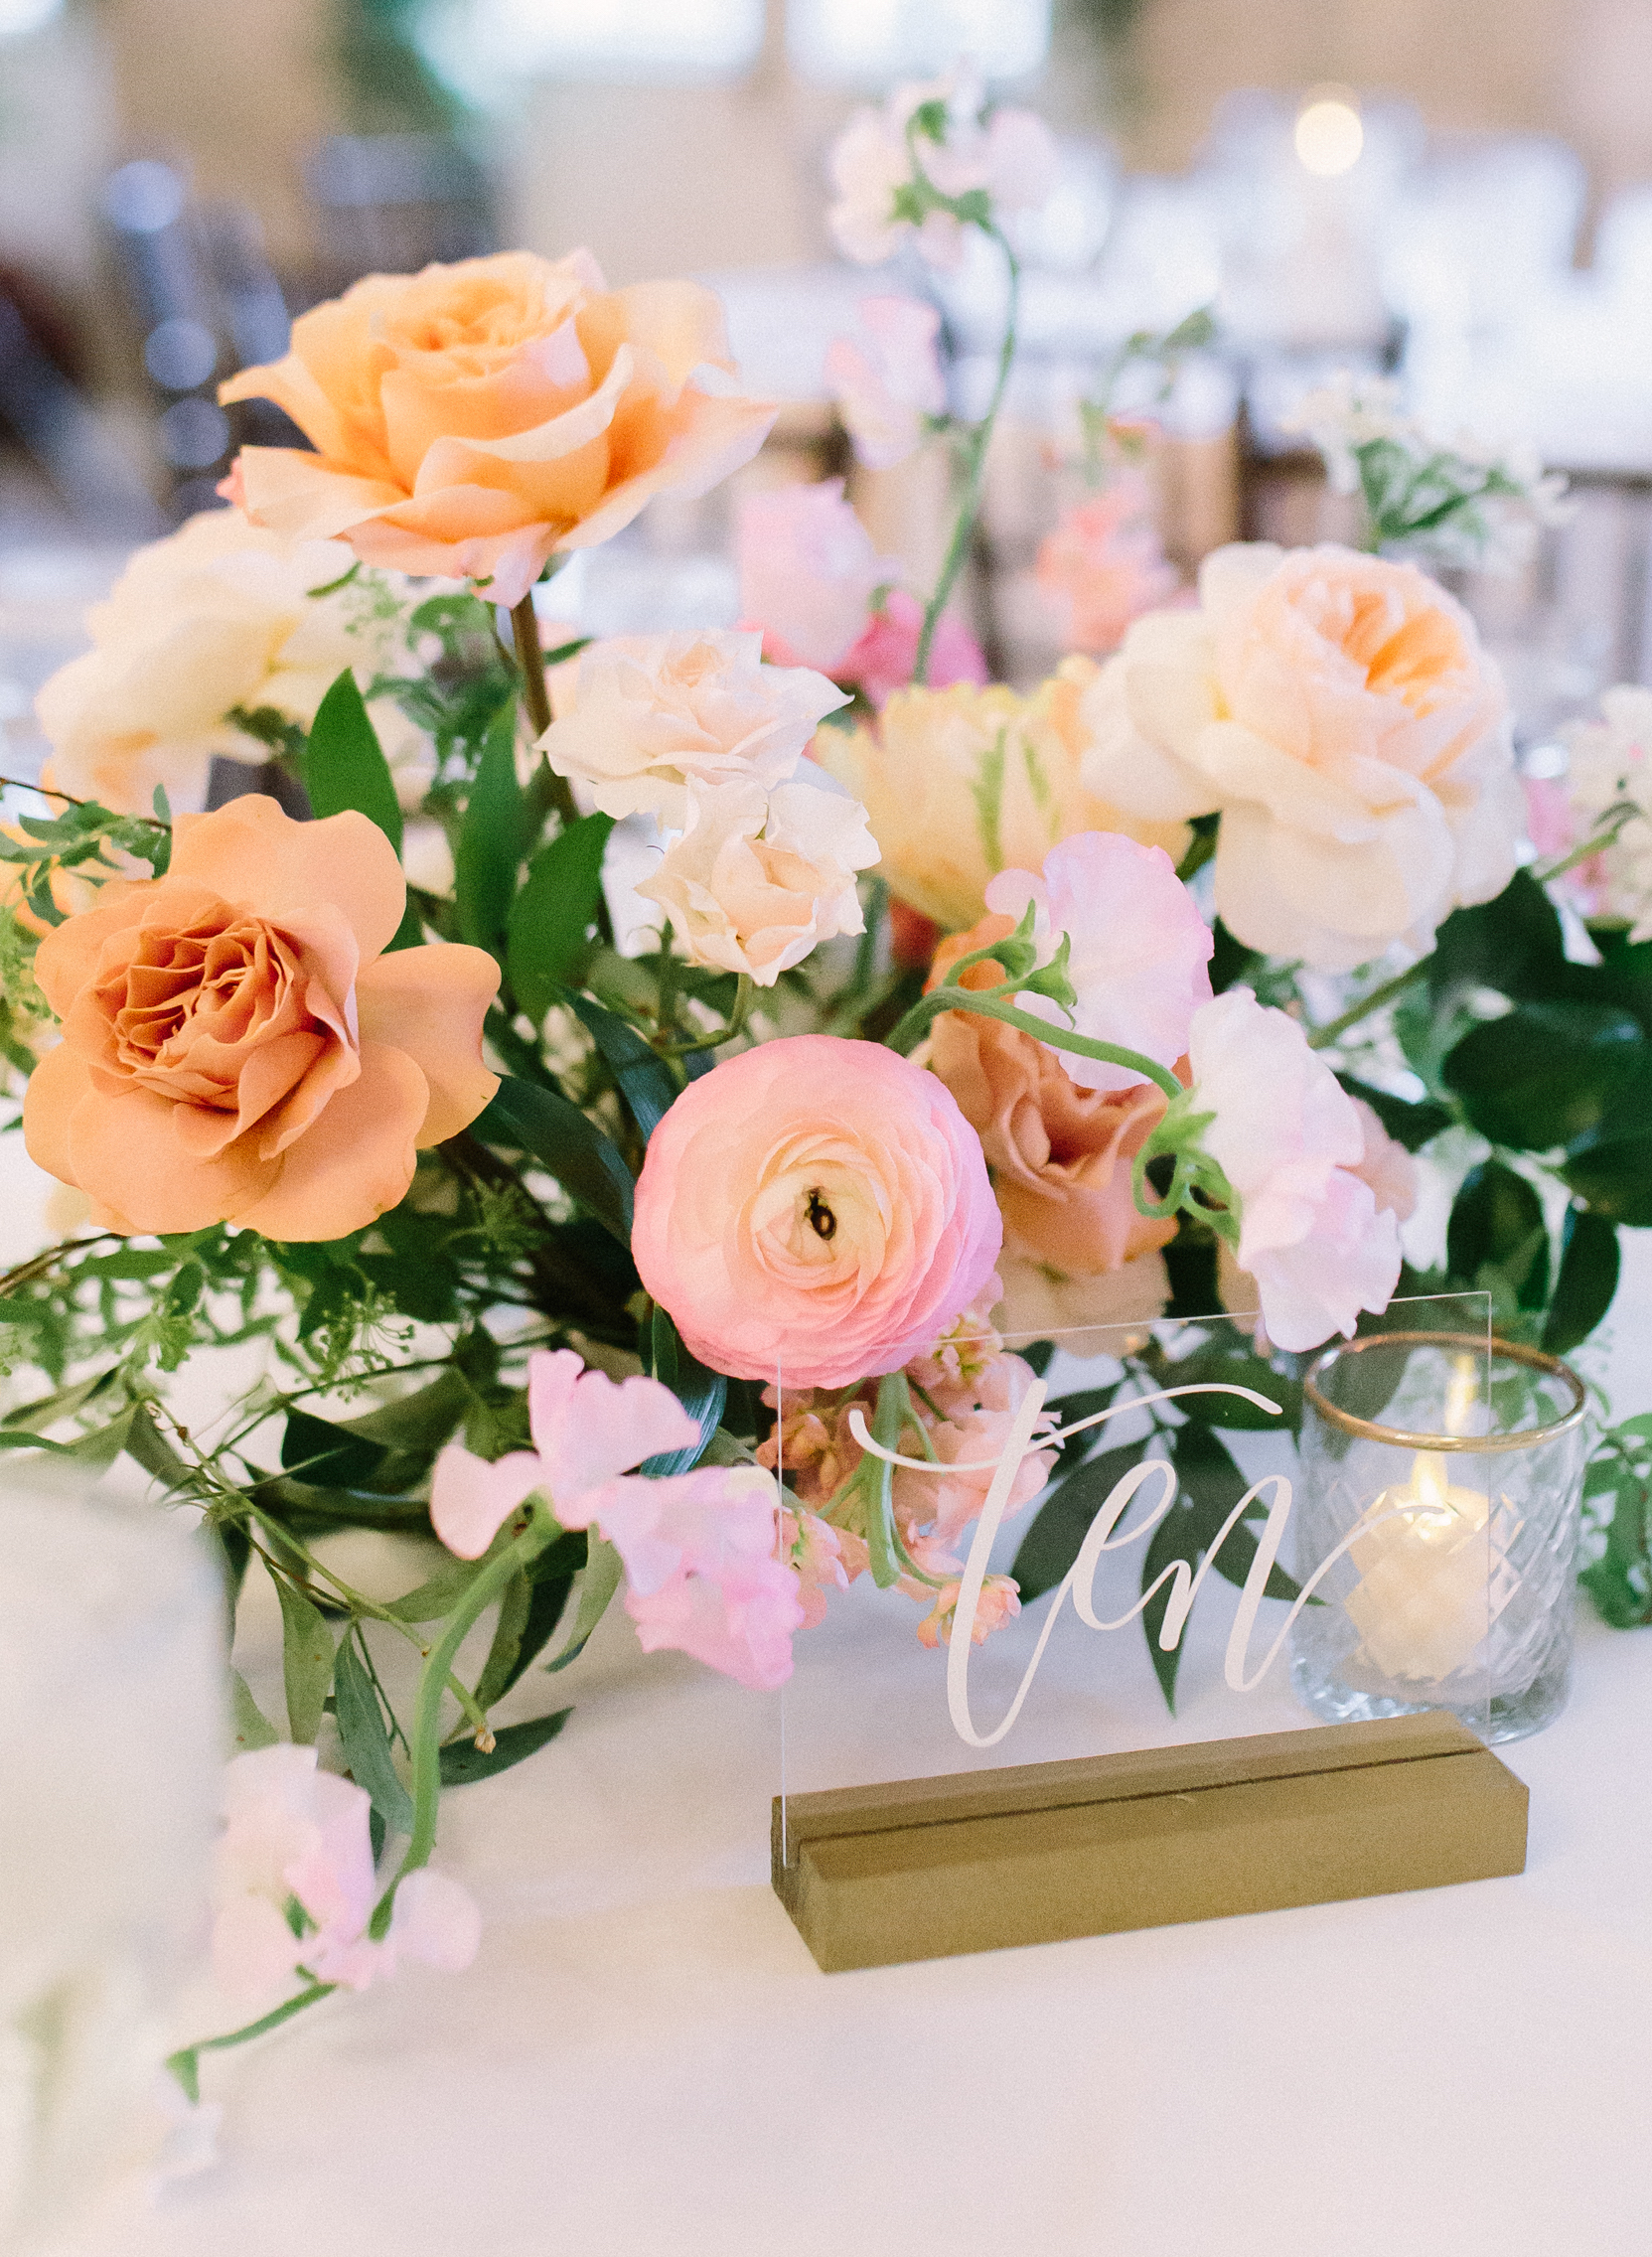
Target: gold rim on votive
x=1483, y=1344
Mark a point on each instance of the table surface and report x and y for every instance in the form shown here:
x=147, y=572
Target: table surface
x=645, y=2058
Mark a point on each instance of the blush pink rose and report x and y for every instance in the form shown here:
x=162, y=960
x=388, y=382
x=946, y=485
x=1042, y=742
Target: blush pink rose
x=815, y=1208
x=881, y=659
x=473, y=420
x=237, y=1046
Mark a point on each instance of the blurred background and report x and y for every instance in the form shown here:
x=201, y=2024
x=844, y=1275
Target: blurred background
x=1461, y=197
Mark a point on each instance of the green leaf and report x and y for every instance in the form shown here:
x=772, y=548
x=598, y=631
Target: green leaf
x=463, y=1761
x=1218, y=1363
x=1497, y=1226
x=1069, y=1410
x=1409, y=1124
x=253, y=1729
x=306, y=1660
x=485, y=859
x=344, y=767
x=542, y=1124
x=1547, y=1073
x=1513, y=943
x=1052, y=1541
x=366, y=1743
x=1585, y=1283
x=344, y=770
x=601, y=1579
x=149, y=1446
x=1168, y=1542
x=430, y=1600
x=10, y=1438
x=419, y=1422
x=551, y=918
x=644, y=1076
x=701, y=1393
x=46, y=1410
x=325, y=1457
x=1211, y=1486
x=1612, y=1175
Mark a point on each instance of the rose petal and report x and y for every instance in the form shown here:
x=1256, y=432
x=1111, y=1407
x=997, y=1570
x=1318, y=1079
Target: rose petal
x=127, y=1154
x=430, y=1002
x=354, y=1161
x=251, y=852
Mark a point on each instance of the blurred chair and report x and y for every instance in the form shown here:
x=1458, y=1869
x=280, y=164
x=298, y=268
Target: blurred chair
x=391, y=203
x=205, y=302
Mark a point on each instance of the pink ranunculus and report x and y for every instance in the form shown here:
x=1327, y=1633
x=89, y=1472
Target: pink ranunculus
x=1288, y=1138
x=1104, y=566
x=1140, y=948
x=809, y=570
x=881, y=661
x=814, y=1208
x=298, y=1836
x=886, y=388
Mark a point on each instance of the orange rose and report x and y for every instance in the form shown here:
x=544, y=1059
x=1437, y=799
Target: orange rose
x=236, y=1046
x=473, y=418
x=1061, y=1156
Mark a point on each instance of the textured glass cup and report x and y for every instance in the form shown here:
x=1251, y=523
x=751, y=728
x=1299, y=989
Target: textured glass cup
x=1448, y=1466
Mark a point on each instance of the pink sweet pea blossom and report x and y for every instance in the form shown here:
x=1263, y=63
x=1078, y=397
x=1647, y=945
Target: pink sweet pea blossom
x=1011, y=155
x=886, y=388
x=298, y=1837
x=1104, y=566
x=1140, y=948
x=881, y=661
x=698, y=1547
x=1289, y=1141
x=808, y=572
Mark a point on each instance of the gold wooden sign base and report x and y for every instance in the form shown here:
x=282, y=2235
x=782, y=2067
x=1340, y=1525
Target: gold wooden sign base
x=926, y=1868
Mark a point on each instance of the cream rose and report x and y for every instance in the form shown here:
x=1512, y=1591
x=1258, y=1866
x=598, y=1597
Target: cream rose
x=962, y=783
x=645, y=714
x=759, y=878
x=216, y=617
x=474, y=418
x=1339, y=712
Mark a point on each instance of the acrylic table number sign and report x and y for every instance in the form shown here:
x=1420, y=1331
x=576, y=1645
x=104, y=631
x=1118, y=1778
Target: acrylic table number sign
x=1098, y=1716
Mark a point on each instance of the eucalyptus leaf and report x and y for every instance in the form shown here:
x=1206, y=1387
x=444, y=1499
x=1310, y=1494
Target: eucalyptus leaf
x=600, y=1580
x=366, y=1741
x=462, y=1761
x=306, y=1660
x=253, y=1729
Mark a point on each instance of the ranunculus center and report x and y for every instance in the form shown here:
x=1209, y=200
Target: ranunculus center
x=818, y=1219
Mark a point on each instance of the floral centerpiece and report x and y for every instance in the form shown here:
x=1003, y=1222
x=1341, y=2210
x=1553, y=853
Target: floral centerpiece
x=956, y=1013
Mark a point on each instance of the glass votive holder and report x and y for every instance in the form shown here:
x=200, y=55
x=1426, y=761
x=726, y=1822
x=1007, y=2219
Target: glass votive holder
x=1441, y=1480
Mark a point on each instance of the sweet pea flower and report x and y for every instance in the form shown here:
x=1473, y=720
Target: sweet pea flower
x=1290, y=1142
x=1338, y=712
x=698, y=1547
x=1006, y=156
x=644, y=713
x=1138, y=951
x=888, y=388
x=1385, y=1165
x=758, y=880
x=816, y=1208
x=1608, y=779
x=883, y=659
x=809, y=570
x=297, y=1836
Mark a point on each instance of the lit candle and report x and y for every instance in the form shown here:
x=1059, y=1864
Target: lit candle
x=1427, y=1594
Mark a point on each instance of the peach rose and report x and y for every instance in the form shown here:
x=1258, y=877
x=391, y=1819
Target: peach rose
x=962, y=783
x=236, y=1046
x=1061, y=1155
x=473, y=420
x=1339, y=712
x=814, y=1208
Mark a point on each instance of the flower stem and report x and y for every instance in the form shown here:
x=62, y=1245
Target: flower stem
x=185, y=2065
x=906, y=1035
x=975, y=470
x=1323, y=1036
x=427, y=1747
x=743, y=992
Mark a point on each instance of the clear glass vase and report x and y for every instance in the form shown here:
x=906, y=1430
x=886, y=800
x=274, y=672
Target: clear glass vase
x=1445, y=1471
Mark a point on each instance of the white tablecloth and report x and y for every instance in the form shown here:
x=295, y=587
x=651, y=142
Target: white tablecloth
x=645, y=2058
